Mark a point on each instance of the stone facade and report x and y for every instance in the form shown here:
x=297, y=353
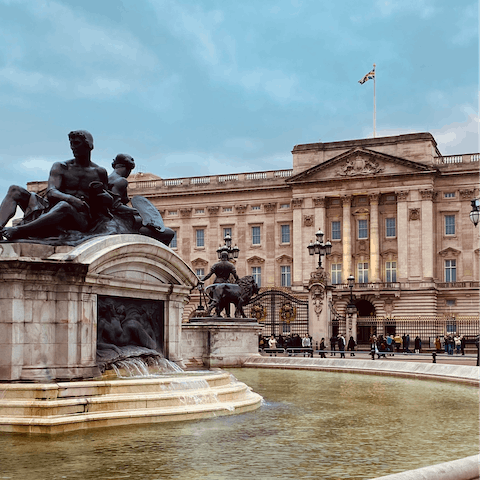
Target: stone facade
x=395, y=210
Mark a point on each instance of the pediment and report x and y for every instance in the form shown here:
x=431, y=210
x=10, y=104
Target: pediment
x=199, y=262
x=255, y=259
x=449, y=252
x=284, y=259
x=357, y=163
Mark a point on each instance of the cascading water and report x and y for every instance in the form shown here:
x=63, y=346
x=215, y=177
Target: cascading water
x=134, y=367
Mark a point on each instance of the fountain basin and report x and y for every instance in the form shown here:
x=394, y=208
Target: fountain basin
x=68, y=406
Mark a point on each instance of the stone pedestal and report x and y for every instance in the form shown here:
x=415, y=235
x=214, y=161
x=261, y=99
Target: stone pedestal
x=48, y=301
x=319, y=300
x=219, y=342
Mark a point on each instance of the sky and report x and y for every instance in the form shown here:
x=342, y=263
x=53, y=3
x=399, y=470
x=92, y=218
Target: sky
x=211, y=87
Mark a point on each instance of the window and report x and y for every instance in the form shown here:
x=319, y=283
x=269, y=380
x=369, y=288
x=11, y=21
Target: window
x=199, y=210
x=200, y=237
x=336, y=273
x=450, y=270
x=172, y=212
x=256, y=207
x=449, y=224
x=285, y=205
x=363, y=229
x=391, y=272
x=173, y=243
x=363, y=273
x=336, y=234
x=285, y=233
x=391, y=227
x=449, y=195
x=286, y=280
x=451, y=303
x=200, y=272
x=227, y=231
x=255, y=235
x=257, y=275
x=227, y=209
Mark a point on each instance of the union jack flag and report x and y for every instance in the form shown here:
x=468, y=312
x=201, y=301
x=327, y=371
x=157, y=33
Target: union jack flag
x=369, y=76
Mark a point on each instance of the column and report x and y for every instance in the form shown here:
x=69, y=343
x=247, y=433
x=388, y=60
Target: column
x=320, y=214
x=402, y=242
x=347, y=238
x=427, y=234
x=298, y=245
x=374, y=238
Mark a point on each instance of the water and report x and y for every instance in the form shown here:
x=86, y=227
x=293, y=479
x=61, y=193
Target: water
x=139, y=367
x=314, y=425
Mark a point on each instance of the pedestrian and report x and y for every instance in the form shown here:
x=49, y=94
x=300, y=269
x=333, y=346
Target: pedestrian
x=306, y=341
x=272, y=343
x=450, y=344
x=418, y=344
x=438, y=345
x=463, y=341
x=351, y=346
x=458, y=344
x=373, y=347
x=333, y=343
x=322, y=348
x=390, y=342
x=341, y=345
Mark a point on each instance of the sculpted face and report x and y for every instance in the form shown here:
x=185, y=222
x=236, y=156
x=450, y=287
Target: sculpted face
x=79, y=146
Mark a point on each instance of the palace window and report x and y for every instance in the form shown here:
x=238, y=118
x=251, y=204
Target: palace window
x=285, y=230
x=199, y=210
x=257, y=275
x=200, y=272
x=390, y=227
x=449, y=195
x=450, y=270
x=256, y=207
x=285, y=205
x=173, y=243
x=227, y=209
x=227, y=231
x=363, y=229
x=391, y=272
x=336, y=273
x=255, y=235
x=286, y=276
x=172, y=212
x=200, y=237
x=336, y=233
x=363, y=273
x=449, y=224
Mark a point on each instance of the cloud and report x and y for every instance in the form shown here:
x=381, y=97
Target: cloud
x=459, y=137
x=37, y=164
x=423, y=8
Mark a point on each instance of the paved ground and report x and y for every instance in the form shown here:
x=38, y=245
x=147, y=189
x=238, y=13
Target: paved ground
x=469, y=359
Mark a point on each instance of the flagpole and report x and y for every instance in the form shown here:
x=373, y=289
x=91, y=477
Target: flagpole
x=374, y=101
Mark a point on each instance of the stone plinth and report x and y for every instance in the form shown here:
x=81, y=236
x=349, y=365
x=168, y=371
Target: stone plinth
x=48, y=301
x=219, y=342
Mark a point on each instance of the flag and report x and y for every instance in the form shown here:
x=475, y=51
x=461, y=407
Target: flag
x=369, y=76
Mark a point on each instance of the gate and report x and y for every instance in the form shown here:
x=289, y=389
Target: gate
x=279, y=313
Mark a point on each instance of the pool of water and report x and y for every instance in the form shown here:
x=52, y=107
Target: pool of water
x=315, y=425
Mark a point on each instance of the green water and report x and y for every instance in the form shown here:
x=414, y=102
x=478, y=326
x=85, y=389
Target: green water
x=313, y=425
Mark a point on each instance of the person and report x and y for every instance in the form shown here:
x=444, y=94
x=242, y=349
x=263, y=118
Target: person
x=76, y=194
x=418, y=344
x=333, y=343
x=373, y=347
x=351, y=346
x=390, y=343
x=306, y=341
x=458, y=344
x=463, y=342
x=272, y=343
x=398, y=342
x=341, y=345
x=406, y=343
x=148, y=220
x=450, y=342
x=322, y=348
x=438, y=344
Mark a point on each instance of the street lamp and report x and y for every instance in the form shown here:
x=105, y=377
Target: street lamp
x=227, y=247
x=319, y=248
x=475, y=213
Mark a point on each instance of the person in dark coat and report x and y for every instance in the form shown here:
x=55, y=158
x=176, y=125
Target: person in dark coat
x=418, y=344
x=341, y=345
x=333, y=343
x=351, y=346
x=463, y=341
x=322, y=348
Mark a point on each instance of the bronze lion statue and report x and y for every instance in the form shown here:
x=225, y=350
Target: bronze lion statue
x=223, y=294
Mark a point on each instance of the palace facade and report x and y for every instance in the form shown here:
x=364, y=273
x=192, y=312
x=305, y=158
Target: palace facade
x=395, y=210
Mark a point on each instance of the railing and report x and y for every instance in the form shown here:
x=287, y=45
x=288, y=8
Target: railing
x=473, y=157
x=173, y=182
x=283, y=173
x=256, y=176
x=458, y=285
x=228, y=178
x=370, y=286
x=196, y=181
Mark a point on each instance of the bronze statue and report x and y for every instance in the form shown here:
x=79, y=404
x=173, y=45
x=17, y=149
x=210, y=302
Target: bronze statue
x=222, y=270
x=76, y=193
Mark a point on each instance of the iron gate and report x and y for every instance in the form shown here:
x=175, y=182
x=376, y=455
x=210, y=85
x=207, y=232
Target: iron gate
x=279, y=312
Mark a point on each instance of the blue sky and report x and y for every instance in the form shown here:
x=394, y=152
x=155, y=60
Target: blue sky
x=216, y=86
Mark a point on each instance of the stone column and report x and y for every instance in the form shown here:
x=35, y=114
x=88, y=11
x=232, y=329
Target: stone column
x=374, y=238
x=427, y=234
x=298, y=246
x=402, y=239
x=347, y=238
x=268, y=267
x=320, y=214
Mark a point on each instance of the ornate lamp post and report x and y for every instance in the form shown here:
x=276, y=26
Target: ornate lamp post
x=475, y=213
x=351, y=308
x=319, y=248
x=227, y=247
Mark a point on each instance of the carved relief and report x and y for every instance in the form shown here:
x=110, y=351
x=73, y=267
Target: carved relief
x=199, y=262
x=185, y=212
x=270, y=207
x=213, y=210
x=308, y=220
x=346, y=200
x=389, y=305
x=297, y=202
x=319, y=202
x=374, y=197
x=255, y=259
x=241, y=208
x=318, y=276
x=362, y=246
x=414, y=214
x=467, y=194
x=360, y=165
x=284, y=259
x=428, y=194
x=449, y=252
x=402, y=196
x=317, y=294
